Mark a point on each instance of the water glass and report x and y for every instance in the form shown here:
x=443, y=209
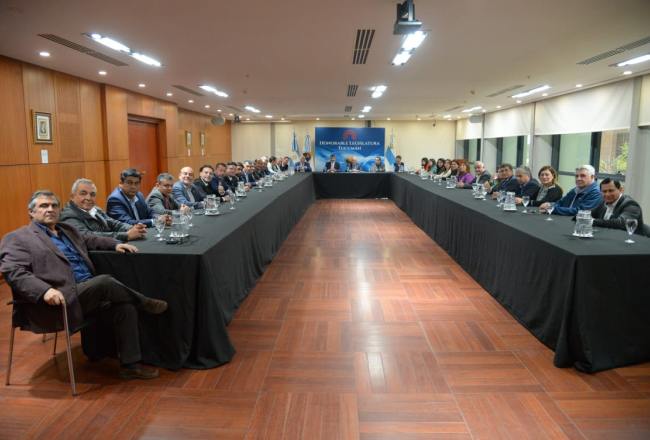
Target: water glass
x=549, y=211
x=630, y=225
x=159, y=223
x=525, y=200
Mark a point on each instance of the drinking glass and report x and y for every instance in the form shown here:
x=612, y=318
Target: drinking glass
x=525, y=200
x=189, y=214
x=630, y=225
x=501, y=195
x=159, y=222
x=549, y=211
x=231, y=199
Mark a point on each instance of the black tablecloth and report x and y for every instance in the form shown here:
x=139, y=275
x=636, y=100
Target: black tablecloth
x=205, y=279
x=351, y=185
x=588, y=299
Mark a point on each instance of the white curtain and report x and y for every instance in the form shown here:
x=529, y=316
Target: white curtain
x=644, y=112
x=602, y=108
x=511, y=122
x=468, y=130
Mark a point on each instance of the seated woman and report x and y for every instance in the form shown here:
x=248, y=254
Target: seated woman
x=440, y=166
x=424, y=166
x=453, y=166
x=549, y=191
x=464, y=176
x=447, y=169
x=432, y=166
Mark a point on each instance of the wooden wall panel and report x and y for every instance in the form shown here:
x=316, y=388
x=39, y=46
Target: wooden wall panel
x=91, y=121
x=14, y=201
x=46, y=176
x=70, y=172
x=68, y=112
x=13, y=131
x=116, y=127
x=96, y=171
x=115, y=167
x=38, y=89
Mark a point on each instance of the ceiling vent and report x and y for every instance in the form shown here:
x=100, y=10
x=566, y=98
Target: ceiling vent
x=83, y=49
x=188, y=90
x=348, y=108
x=352, y=89
x=506, y=90
x=362, y=45
x=611, y=53
x=453, y=108
x=235, y=109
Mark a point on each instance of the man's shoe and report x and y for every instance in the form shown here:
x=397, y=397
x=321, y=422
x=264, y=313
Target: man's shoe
x=138, y=372
x=153, y=306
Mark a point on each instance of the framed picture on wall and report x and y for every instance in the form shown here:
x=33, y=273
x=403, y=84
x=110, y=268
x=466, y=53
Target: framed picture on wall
x=42, y=127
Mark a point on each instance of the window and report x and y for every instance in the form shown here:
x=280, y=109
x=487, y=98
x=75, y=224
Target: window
x=575, y=150
x=470, y=149
x=612, y=153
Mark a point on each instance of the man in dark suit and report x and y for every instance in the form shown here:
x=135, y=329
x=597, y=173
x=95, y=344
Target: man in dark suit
x=528, y=186
x=46, y=264
x=506, y=181
x=126, y=203
x=184, y=190
x=332, y=166
x=616, y=207
x=83, y=213
x=230, y=180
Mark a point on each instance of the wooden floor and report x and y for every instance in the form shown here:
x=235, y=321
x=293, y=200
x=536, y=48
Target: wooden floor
x=362, y=327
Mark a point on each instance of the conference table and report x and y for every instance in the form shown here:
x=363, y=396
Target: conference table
x=205, y=278
x=587, y=299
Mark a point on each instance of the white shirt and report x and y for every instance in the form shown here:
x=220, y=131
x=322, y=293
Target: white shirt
x=610, y=208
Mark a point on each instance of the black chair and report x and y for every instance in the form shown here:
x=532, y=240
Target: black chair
x=646, y=229
x=66, y=329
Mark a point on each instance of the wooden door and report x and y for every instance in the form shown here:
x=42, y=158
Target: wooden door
x=143, y=152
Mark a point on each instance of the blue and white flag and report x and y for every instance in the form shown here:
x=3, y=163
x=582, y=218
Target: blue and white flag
x=294, y=144
x=307, y=144
x=390, y=152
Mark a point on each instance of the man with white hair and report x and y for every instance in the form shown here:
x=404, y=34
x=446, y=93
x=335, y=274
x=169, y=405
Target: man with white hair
x=83, y=213
x=585, y=196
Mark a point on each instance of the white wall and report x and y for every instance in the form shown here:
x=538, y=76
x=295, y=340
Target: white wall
x=412, y=139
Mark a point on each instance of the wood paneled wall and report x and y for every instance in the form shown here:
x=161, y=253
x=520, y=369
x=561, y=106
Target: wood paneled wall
x=90, y=135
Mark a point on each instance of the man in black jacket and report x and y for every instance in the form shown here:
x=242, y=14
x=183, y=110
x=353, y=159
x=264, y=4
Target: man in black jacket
x=616, y=207
x=506, y=181
x=82, y=213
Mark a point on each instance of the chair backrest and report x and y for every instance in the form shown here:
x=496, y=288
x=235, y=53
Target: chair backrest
x=646, y=230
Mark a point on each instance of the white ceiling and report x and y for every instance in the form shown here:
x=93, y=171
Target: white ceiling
x=293, y=58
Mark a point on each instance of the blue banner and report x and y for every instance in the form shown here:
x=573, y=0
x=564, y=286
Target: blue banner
x=363, y=144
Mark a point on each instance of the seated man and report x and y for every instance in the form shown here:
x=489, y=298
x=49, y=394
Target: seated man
x=378, y=166
x=585, y=196
x=230, y=180
x=284, y=166
x=83, y=213
x=46, y=264
x=126, y=203
x=184, y=190
x=399, y=165
x=616, y=207
x=160, y=199
x=527, y=185
x=481, y=175
x=248, y=175
x=206, y=182
x=272, y=165
x=505, y=182
x=332, y=166
x=302, y=166
x=352, y=165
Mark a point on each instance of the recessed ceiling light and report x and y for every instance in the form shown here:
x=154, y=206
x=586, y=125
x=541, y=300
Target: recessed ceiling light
x=282, y=119
x=498, y=106
x=447, y=116
x=250, y=108
x=110, y=43
x=318, y=119
x=413, y=40
x=578, y=85
x=102, y=72
x=207, y=106
x=484, y=110
x=248, y=119
x=169, y=94
x=361, y=116
x=419, y=119
x=531, y=91
x=142, y=85
x=636, y=60
x=219, y=110
x=44, y=54
x=627, y=72
x=353, y=119
x=388, y=119
x=401, y=58
x=268, y=116
x=518, y=101
x=214, y=90
x=230, y=114
x=473, y=109
x=366, y=109
x=544, y=94
x=191, y=101
x=377, y=91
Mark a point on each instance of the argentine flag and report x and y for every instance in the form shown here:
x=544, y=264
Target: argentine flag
x=390, y=153
x=294, y=145
x=307, y=144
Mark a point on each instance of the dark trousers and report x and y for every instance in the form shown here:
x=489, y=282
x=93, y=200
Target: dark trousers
x=103, y=294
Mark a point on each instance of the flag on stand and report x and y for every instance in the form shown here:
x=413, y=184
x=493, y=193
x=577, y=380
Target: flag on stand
x=390, y=152
x=294, y=145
